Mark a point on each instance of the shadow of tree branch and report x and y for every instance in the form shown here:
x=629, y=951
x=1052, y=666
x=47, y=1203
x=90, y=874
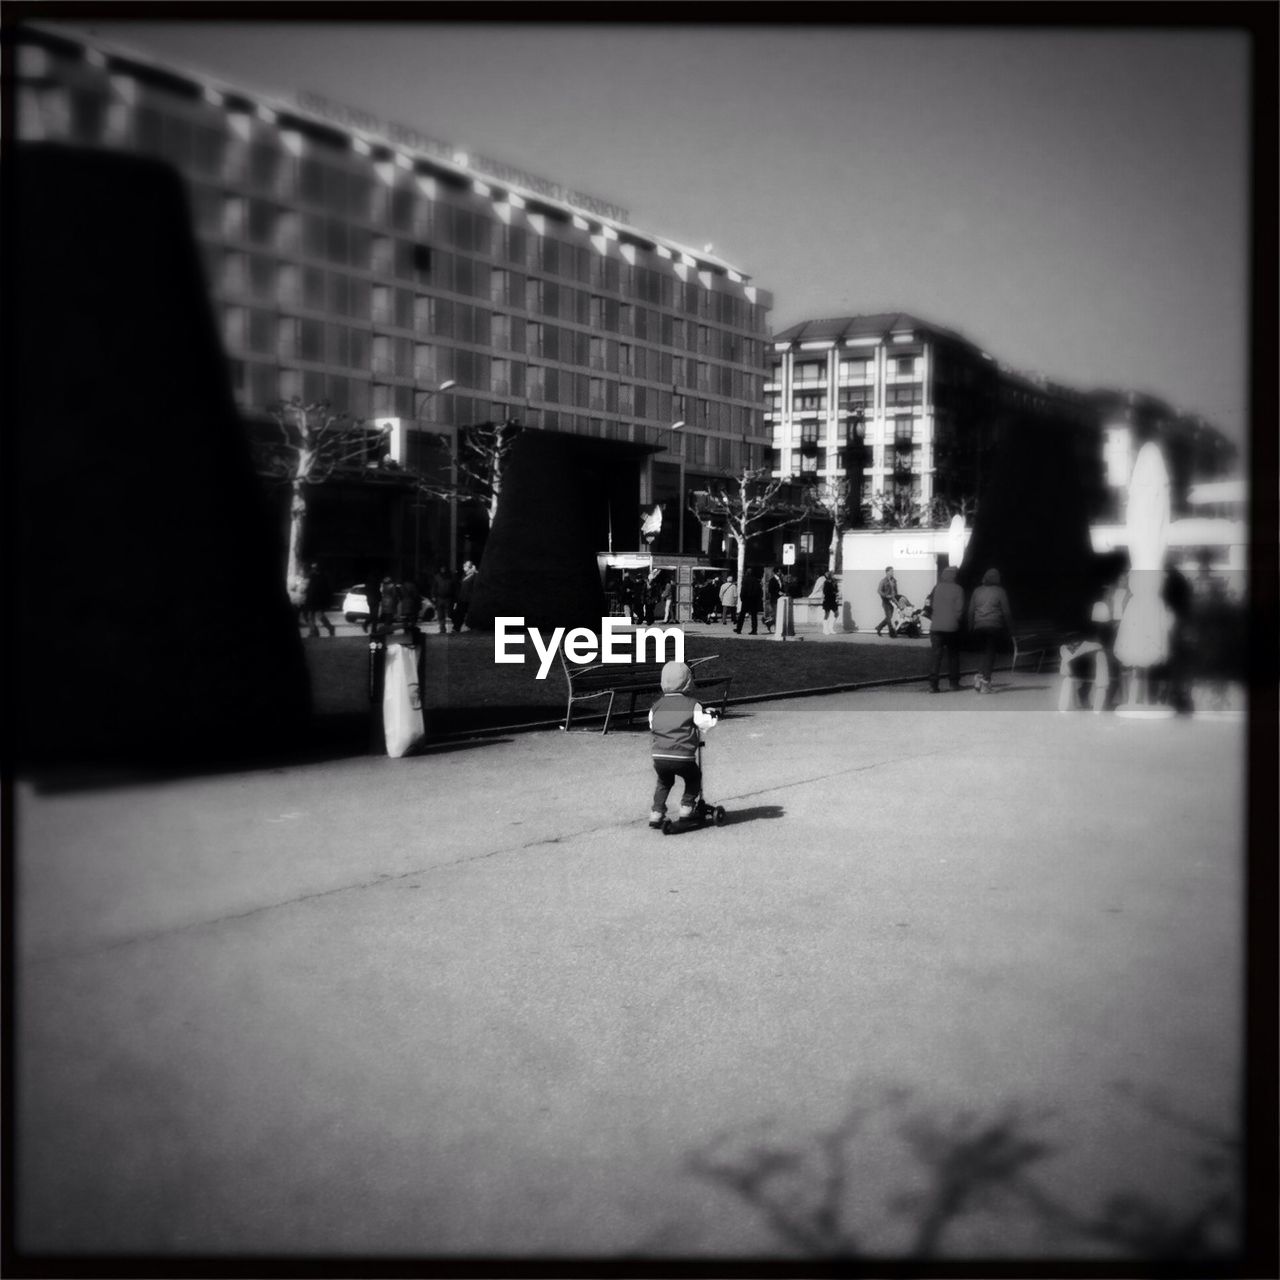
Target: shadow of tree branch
x=811, y=1189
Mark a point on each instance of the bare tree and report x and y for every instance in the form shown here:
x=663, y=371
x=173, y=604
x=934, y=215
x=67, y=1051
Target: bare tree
x=310, y=445
x=478, y=457
x=896, y=509
x=832, y=497
x=752, y=503
x=941, y=510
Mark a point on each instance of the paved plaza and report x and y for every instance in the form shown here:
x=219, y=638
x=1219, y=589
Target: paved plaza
x=960, y=977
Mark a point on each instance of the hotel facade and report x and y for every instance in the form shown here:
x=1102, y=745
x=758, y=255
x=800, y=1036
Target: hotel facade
x=364, y=263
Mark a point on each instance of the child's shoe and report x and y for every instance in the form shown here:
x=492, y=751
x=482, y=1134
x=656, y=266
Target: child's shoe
x=688, y=808
x=656, y=817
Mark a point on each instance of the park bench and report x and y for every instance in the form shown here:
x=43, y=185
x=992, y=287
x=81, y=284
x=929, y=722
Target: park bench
x=1036, y=641
x=634, y=679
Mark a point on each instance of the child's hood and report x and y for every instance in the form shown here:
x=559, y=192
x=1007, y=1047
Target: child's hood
x=676, y=677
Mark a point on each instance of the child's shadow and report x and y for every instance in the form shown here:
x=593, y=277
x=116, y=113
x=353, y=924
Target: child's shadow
x=734, y=816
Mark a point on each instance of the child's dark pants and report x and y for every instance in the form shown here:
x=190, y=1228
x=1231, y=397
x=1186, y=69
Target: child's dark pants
x=668, y=771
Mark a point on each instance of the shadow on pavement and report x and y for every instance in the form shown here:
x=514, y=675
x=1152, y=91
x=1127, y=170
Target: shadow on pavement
x=735, y=817
x=963, y=1168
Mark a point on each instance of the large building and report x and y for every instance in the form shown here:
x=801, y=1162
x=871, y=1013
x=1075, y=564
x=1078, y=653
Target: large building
x=900, y=408
x=906, y=412
x=365, y=263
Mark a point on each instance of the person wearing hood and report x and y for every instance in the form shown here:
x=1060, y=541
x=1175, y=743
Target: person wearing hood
x=677, y=721
x=991, y=619
x=946, y=601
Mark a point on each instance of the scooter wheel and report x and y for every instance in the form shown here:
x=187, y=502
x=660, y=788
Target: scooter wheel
x=717, y=815
x=666, y=826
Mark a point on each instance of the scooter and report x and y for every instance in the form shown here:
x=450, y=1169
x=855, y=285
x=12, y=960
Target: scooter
x=703, y=812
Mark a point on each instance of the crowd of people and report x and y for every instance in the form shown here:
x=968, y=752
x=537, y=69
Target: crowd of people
x=391, y=604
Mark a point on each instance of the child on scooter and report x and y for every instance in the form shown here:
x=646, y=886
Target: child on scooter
x=677, y=721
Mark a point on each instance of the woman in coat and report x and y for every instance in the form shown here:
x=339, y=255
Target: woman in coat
x=990, y=618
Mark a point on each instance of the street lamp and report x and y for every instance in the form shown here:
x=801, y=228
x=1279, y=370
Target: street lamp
x=419, y=398
x=430, y=391
x=671, y=430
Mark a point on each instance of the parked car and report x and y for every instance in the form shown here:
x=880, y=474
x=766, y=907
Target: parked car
x=355, y=605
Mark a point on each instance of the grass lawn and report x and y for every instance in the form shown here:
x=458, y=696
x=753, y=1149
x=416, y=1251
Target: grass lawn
x=466, y=690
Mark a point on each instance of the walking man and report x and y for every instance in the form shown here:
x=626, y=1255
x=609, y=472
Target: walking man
x=888, y=591
x=750, y=599
x=465, y=587
x=443, y=591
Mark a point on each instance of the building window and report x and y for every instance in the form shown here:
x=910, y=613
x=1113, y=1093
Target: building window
x=809, y=372
x=234, y=275
x=809, y=402
x=597, y=353
x=855, y=369
x=424, y=363
x=596, y=399
x=853, y=399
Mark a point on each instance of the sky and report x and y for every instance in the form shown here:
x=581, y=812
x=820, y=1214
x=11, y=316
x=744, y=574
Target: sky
x=1075, y=201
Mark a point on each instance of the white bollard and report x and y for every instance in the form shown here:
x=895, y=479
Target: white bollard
x=784, y=626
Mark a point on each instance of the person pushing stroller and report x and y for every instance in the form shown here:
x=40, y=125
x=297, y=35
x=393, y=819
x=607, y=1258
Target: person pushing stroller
x=677, y=721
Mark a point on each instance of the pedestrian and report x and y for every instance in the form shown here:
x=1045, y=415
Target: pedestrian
x=465, y=588
x=651, y=597
x=444, y=591
x=373, y=597
x=1107, y=613
x=635, y=598
x=728, y=599
x=990, y=618
x=888, y=592
x=668, y=598
x=830, y=602
x=677, y=721
x=750, y=599
x=384, y=617
x=315, y=600
x=772, y=590
x=1176, y=593
x=946, y=605
x=408, y=607
x=708, y=601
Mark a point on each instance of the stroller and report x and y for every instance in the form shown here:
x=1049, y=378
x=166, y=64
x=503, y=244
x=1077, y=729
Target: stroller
x=907, y=620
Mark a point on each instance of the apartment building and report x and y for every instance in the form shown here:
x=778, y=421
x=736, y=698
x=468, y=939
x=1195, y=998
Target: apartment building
x=899, y=406
x=909, y=411
x=366, y=263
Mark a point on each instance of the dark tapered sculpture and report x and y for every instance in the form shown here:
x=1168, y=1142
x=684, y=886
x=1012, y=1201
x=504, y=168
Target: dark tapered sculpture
x=1032, y=524
x=540, y=560
x=151, y=620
